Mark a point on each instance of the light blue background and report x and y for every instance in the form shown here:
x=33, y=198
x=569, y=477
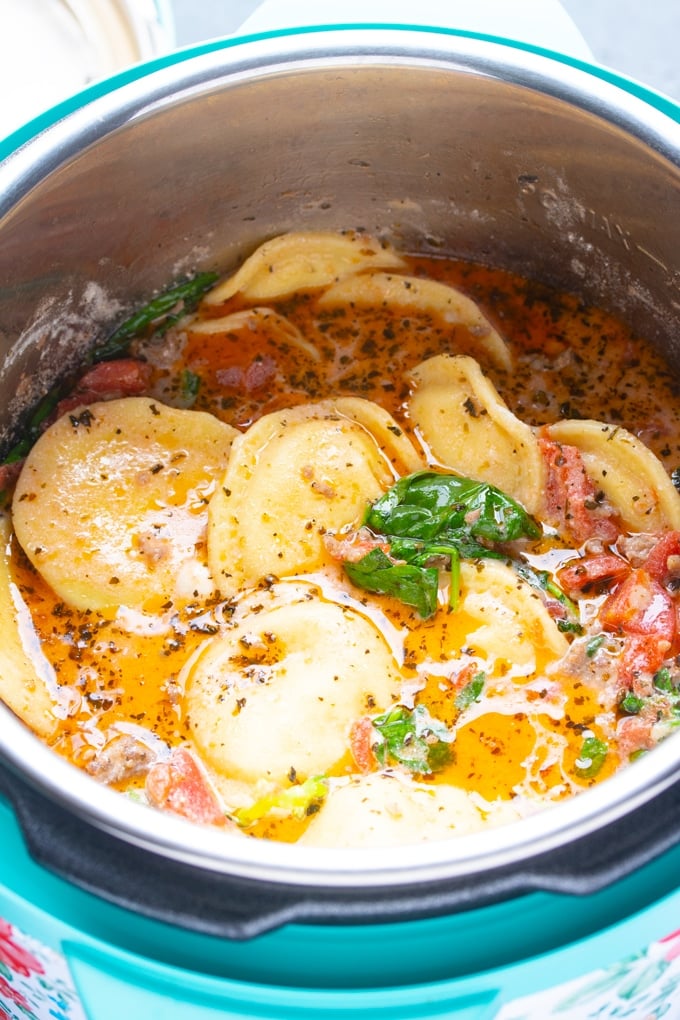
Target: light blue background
x=638, y=38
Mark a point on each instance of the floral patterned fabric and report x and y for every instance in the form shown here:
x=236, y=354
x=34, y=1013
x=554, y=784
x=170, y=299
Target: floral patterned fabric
x=645, y=986
x=35, y=983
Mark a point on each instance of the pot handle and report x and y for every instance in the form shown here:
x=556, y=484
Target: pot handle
x=180, y=894
x=542, y=23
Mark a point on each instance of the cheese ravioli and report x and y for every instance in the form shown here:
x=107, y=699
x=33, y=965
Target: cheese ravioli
x=275, y=695
x=111, y=504
x=295, y=475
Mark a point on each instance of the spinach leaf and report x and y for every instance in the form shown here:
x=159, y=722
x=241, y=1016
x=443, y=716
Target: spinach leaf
x=595, y=644
x=631, y=704
x=429, y=505
x=542, y=580
x=190, y=385
x=413, y=585
x=162, y=312
x=663, y=681
x=470, y=692
x=592, y=757
x=427, y=517
x=414, y=739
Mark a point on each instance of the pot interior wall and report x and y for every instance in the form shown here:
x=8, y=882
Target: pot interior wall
x=435, y=158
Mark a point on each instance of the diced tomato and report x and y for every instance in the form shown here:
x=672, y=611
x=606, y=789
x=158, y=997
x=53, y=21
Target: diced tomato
x=663, y=561
x=643, y=612
x=642, y=655
x=361, y=737
x=640, y=605
x=571, y=499
x=463, y=677
x=592, y=573
x=179, y=785
x=127, y=377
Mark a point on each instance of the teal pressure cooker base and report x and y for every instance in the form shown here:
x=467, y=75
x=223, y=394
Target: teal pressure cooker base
x=465, y=965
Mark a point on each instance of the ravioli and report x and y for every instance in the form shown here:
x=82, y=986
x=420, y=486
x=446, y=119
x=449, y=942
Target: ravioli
x=295, y=475
x=111, y=504
x=274, y=696
x=253, y=318
x=464, y=424
x=510, y=625
x=27, y=679
x=425, y=297
x=384, y=810
x=303, y=260
x=626, y=471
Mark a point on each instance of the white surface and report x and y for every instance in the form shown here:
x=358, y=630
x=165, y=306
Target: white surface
x=539, y=22
x=50, y=49
x=639, y=40
x=40, y=44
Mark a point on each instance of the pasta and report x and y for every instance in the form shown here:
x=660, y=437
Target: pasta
x=110, y=506
x=321, y=557
x=420, y=296
x=307, y=470
x=27, y=682
x=460, y=418
x=293, y=261
x=381, y=810
x=249, y=702
x=631, y=477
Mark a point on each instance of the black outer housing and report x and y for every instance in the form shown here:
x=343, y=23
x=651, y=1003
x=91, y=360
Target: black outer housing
x=233, y=907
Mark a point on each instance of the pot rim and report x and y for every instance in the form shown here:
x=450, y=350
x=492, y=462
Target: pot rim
x=47, y=144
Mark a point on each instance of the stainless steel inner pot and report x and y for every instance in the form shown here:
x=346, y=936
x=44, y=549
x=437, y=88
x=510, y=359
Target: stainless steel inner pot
x=441, y=143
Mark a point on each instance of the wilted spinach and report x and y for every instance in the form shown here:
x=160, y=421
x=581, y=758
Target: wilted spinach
x=413, y=738
x=426, y=518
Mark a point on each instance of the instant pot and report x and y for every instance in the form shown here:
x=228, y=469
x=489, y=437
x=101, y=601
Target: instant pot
x=439, y=139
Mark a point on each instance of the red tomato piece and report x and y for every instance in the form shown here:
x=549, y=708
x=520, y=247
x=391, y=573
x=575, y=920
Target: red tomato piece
x=642, y=656
x=642, y=611
x=640, y=605
x=663, y=561
x=9, y=474
x=464, y=676
x=592, y=572
x=126, y=377
x=571, y=499
x=179, y=785
x=361, y=744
